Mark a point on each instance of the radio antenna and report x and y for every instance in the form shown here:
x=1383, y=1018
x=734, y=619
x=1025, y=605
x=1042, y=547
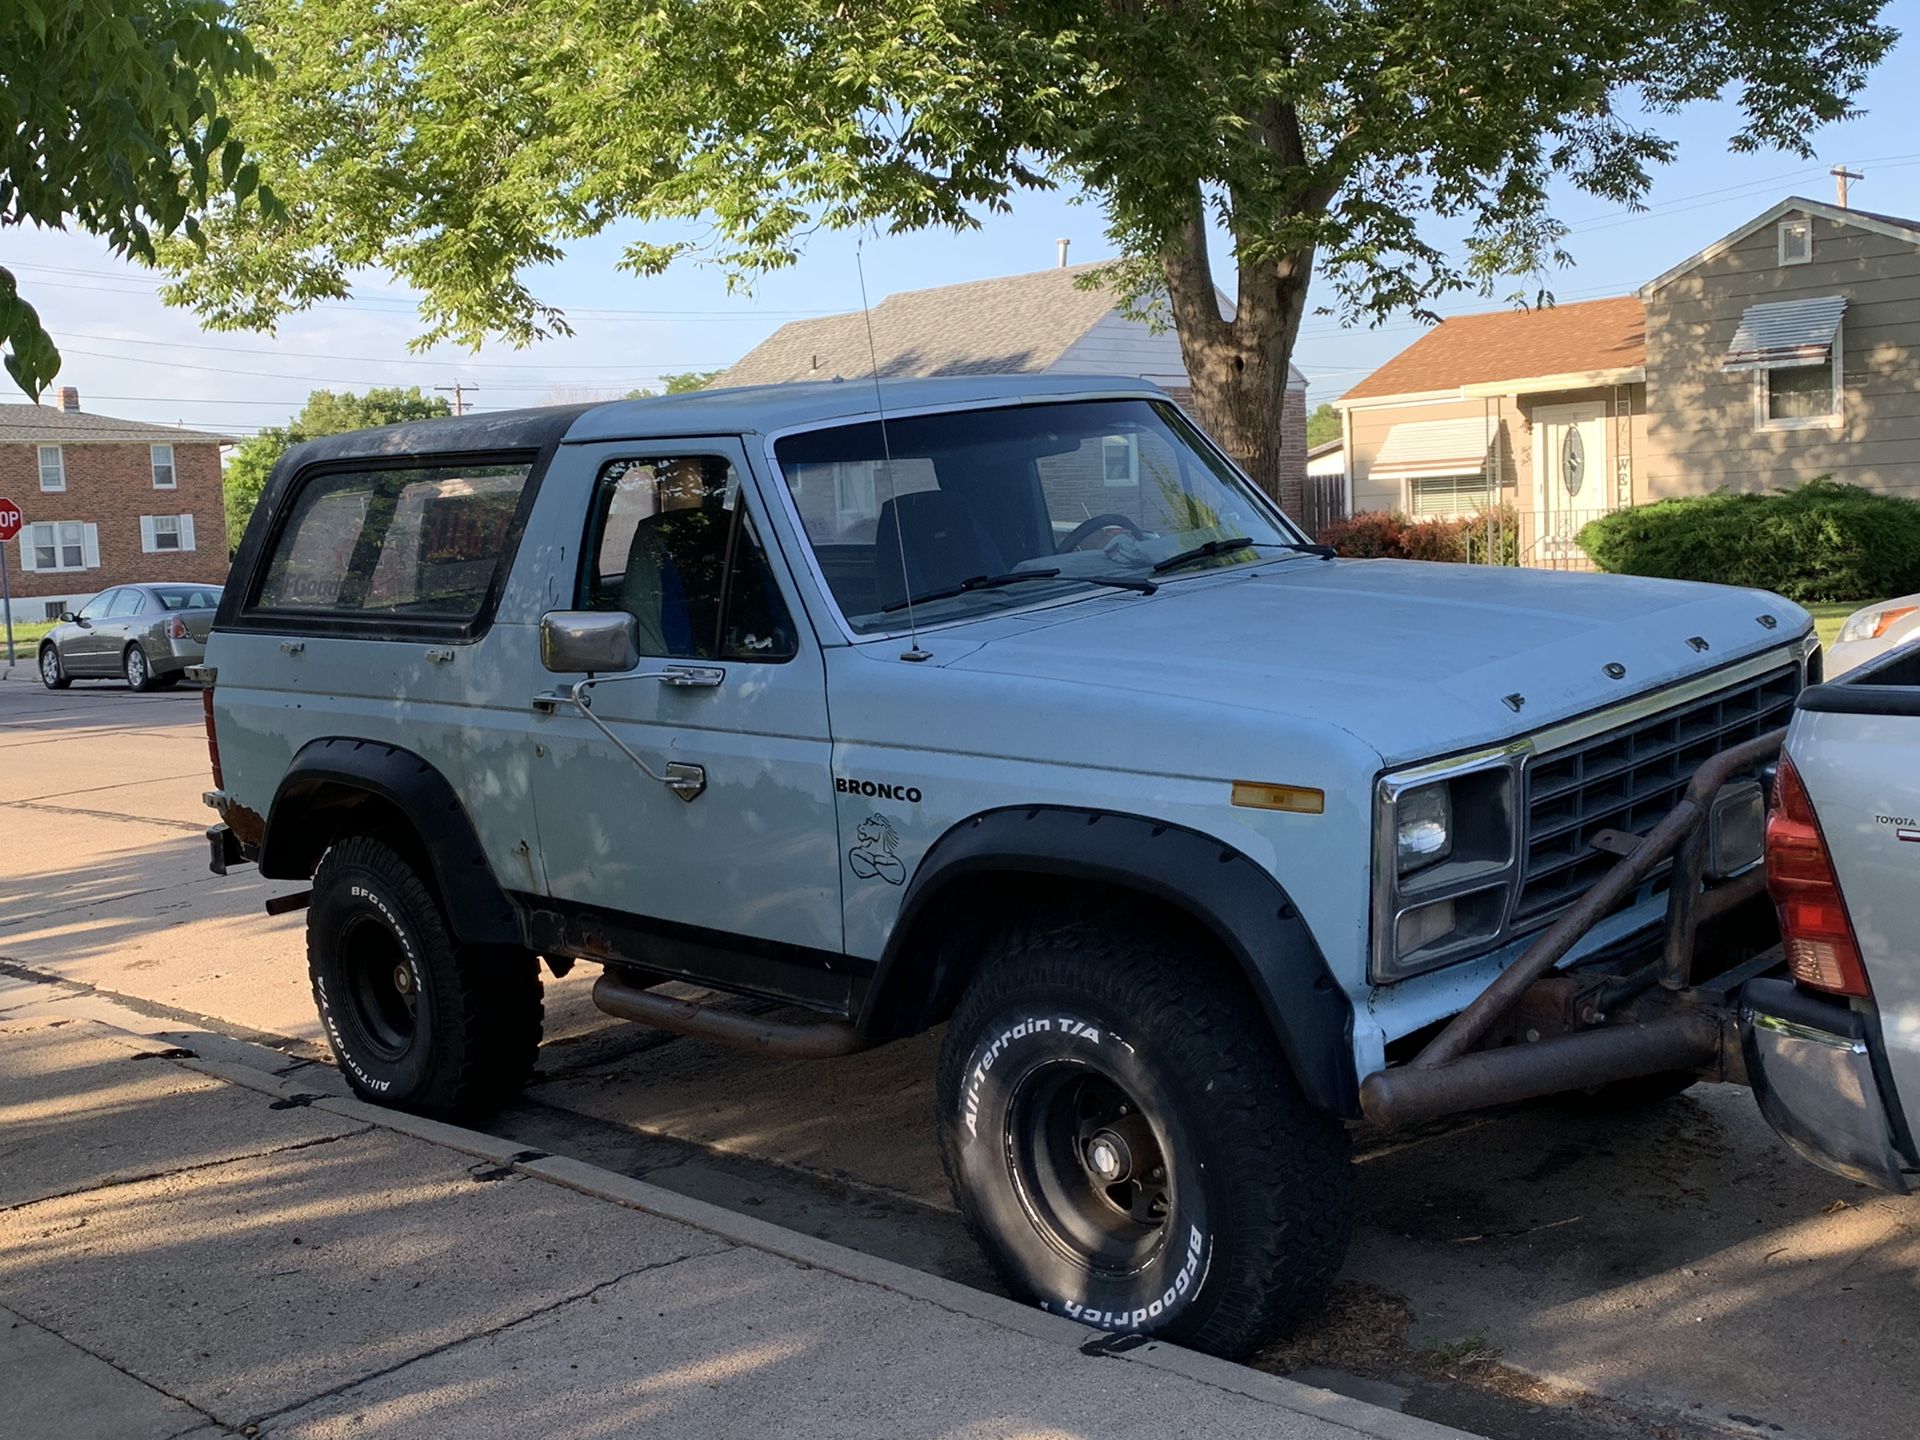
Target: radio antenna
x=886, y=450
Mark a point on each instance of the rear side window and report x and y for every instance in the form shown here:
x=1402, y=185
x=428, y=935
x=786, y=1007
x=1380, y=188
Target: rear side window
x=404, y=544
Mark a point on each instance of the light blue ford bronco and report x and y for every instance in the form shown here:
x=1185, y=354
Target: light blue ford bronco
x=1007, y=704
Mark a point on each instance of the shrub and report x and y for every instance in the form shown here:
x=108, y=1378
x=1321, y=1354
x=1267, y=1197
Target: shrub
x=1390, y=535
x=1817, y=541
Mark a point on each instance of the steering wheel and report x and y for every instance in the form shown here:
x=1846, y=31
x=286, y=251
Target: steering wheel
x=1092, y=525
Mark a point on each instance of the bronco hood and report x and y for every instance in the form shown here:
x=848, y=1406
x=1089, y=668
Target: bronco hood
x=1417, y=660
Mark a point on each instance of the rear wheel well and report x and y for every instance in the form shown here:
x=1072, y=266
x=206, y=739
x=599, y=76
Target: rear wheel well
x=327, y=813
x=943, y=947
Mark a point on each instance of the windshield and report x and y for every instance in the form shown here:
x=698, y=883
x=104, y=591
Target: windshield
x=1096, y=491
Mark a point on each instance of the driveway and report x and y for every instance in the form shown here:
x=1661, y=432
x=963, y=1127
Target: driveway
x=1539, y=1272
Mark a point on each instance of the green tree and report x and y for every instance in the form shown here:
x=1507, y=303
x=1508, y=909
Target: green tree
x=327, y=412
x=459, y=146
x=112, y=122
x=1323, y=425
x=679, y=383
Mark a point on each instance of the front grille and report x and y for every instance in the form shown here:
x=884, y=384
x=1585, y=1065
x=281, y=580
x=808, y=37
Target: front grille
x=1627, y=779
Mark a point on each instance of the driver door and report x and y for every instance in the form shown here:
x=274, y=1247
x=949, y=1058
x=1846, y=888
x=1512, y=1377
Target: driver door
x=732, y=684
x=87, y=653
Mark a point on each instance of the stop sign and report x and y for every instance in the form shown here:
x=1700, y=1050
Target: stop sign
x=10, y=519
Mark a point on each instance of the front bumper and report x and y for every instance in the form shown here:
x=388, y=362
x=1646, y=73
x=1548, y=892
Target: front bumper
x=1811, y=1067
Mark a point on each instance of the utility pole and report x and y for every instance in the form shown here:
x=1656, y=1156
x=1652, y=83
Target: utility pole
x=458, y=389
x=1841, y=175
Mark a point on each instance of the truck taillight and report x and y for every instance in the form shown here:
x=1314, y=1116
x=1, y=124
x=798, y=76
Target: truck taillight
x=213, y=740
x=177, y=628
x=1818, y=934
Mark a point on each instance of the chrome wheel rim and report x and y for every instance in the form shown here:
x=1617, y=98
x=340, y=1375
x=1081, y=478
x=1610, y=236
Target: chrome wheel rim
x=49, y=665
x=136, y=668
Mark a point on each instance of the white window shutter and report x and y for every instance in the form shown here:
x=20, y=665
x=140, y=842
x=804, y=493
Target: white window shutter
x=146, y=534
x=26, y=550
x=186, y=532
x=90, y=546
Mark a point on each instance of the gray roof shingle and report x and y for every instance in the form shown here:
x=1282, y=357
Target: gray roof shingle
x=48, y=425
x=1014, y=324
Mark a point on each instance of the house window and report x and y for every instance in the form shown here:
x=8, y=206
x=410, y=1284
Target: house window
x=1448, y=495
x=165, y=532
x=1799, y=397
x=162, y=456
x=1120, y=460
x=1796, y=241
x=53, y=468
x=56, y=545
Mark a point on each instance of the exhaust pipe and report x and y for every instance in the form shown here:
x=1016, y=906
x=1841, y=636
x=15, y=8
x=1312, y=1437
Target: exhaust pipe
x=1687, y=1040
x=780, y=1039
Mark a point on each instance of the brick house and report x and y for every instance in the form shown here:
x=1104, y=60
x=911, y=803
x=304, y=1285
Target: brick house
x=1041, y=323
x=106, y=502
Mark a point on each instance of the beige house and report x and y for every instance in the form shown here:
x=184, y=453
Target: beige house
x=1780, y=352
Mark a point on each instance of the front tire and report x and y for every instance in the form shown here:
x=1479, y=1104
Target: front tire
x=416, y=1020
x=53, y=674
x=138, y=669
x=1126, y=1142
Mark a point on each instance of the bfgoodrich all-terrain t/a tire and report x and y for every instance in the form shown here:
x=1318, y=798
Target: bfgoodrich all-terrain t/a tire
x=416, y=1020
x=1123, y=1137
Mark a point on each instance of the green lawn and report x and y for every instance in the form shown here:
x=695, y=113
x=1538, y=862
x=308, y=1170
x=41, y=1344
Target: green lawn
x=26, y=637
x=1830, y=615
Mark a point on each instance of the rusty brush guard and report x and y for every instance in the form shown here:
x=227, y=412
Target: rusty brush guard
x=1449, y=1075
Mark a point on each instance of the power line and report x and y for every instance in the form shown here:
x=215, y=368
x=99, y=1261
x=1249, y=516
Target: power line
x=665, y=369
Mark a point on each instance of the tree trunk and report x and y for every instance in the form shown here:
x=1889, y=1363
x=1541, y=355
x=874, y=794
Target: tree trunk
x=1239, y=367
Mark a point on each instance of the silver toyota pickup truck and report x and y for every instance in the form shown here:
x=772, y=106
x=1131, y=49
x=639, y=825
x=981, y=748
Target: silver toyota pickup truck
x=1833, y=1048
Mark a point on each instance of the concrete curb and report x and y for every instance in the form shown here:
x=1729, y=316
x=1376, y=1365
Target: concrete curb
x=593, y=1180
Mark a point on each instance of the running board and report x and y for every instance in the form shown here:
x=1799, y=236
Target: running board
x=781, y=1039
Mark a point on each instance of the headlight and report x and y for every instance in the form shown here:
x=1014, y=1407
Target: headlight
x=1872, y=624
x=1444, y=861
x=1423, y=832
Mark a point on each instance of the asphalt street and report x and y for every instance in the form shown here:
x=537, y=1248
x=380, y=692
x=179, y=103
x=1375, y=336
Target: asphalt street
x=1540, y=1272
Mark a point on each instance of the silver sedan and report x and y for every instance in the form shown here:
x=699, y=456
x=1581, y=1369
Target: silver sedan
x=1873, y=631
x=146, y=635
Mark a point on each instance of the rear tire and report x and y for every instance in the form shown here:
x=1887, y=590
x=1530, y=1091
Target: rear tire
x=53, y=673
x=416, y=1020
x=137, y=668
x=1084, y=1050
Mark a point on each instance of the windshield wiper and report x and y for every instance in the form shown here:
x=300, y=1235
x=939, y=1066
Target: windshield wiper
x=1204, y=551
x=1014, y=577
x=1325, y=552
x=967, y=587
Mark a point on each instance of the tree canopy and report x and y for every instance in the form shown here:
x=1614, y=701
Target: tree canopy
x=677, y=383
x=112, y=122
x=327, y=412
x=462, y=146
x=1323, y=424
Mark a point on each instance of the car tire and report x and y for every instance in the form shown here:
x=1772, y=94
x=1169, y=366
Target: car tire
x=416, y=1020
x=137, y=669
x=53, y=671
x=1081, y=1035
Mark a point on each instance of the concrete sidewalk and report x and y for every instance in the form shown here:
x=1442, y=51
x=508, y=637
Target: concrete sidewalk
x=194, y=1245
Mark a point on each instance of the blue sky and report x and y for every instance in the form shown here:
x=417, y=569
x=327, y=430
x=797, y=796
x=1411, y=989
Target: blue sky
x=132, y=356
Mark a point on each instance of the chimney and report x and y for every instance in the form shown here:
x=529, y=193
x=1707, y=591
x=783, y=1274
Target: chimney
x=1063, y=244
x=69, y=398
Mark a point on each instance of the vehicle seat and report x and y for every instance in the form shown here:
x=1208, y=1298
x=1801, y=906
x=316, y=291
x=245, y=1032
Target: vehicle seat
x=672, y=581
x=942, y=538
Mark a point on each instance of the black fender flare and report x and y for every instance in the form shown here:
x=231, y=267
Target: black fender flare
x=327, y=771
x=1243, y=906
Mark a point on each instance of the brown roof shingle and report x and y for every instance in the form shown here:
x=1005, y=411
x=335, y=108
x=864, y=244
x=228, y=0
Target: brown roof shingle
x=1515, y=345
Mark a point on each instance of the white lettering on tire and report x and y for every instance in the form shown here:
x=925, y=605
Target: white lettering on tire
x=1065, y=1025
x=340, y=1047
x=1175, y=1294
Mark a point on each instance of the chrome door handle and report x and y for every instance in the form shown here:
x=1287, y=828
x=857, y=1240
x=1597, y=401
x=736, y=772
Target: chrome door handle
x=688, y=677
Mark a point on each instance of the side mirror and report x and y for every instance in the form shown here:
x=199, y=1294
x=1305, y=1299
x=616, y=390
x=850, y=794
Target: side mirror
x=67, y=617
x=599, y=640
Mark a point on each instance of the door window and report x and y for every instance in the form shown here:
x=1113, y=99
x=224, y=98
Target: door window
x=96, y=608
x=126, y=603
x=673, y=547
